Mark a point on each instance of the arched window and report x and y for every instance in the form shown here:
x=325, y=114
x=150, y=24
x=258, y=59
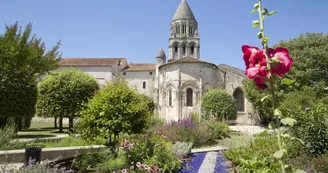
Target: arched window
x=190, y=29
x=184, y=29
x=177, y=29
x=176, y=49
x=189, y=97
x=238, y=94
x=184, y=50
x=144, y=84
x=192, y=49
x=170, y=97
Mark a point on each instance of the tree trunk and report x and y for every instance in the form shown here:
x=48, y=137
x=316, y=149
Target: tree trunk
x=55, y=123
x=70, y=124
x=60, y=125
x=19, y=125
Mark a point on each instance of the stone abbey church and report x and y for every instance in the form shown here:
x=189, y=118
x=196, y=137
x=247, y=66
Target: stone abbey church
x=177, y=82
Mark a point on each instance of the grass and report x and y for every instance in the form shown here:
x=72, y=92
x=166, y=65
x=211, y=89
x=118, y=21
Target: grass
x=71, y=141
x=40, y=129
x=236, y=139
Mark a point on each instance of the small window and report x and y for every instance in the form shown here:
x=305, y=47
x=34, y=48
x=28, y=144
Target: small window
x=192, y=50
x=184, y=50
x=190, y=29
x=170, y=97
x=184, y=29
x=124, y=73
x=177, y=29
x=189, y=97
x=150, y=73
x=176, y=49
x=144, y=85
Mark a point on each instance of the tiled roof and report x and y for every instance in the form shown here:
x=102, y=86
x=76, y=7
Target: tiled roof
x=140, y=67
x=94, y=62
x=230, y=68
x=187, y=60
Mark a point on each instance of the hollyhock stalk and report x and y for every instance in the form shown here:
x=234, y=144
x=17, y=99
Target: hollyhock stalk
x=271, y=82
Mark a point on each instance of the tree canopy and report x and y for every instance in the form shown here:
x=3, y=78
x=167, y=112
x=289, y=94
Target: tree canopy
x=310, y=69
x=23, y=59
x=64, y=93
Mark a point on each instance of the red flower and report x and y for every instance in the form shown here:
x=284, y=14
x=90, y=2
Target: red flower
x=249, y=53
x=260, y=83
x=283, y=61
x=255, y=62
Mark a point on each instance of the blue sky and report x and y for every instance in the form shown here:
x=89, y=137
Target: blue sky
x=136, y=29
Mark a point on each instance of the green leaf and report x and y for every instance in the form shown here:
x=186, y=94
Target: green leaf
x=285, y=135
x=256, y=6
x=299, y=171
x=278, y=154
x=271, y=13
x=299, y=140
x=252, y=11
x=288, y=121
x=256, y=23
x=265, y=97
x=287, y=81
x=277, y=112
x=265, y=40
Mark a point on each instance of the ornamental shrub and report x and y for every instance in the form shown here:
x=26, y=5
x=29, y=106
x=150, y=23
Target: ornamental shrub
x=116, y=109
x=219, y=103
x=64, y=93
x=312, y=128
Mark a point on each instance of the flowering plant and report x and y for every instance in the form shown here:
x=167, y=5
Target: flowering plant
x=266, y=67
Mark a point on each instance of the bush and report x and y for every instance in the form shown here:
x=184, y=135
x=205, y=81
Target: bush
x=117, y=108
x=311, y=164
x=219, y=103
x=150, y=151
x=209, y=130
x=199, y=132
x=258, y=155
x=64, y=93
x=6, y=134
x=312, y=128
x=296, y=100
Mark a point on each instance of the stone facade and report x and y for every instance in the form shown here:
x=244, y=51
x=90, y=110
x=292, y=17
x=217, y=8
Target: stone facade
x=176, y=85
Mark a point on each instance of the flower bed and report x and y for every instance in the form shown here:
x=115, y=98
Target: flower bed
x=194, y=165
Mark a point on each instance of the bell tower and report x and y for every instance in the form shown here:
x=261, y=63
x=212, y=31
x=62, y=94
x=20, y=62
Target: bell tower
x=184, y=38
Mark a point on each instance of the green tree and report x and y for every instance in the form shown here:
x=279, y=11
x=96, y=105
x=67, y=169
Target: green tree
x=23, y=59
x=64, y=93
x=219, y=103
x=116, y=108
x=310, y=69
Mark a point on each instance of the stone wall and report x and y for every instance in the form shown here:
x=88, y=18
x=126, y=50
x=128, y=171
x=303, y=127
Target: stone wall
x=137, y=78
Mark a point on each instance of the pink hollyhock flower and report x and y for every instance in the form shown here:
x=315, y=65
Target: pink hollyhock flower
x=255, y=62
x=281, y=55
x=260, y=83
x=249, y=53
x=132, y=167
x=124, y=171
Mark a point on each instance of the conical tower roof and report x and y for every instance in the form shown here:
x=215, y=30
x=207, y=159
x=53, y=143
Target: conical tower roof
x=161, y=54
x=183, y=12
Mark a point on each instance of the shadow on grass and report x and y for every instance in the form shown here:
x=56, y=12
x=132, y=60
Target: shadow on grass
x=34, y=136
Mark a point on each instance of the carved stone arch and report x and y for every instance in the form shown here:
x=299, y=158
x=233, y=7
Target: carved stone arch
x=190, y=93
x=192, y=43
x=183, y=43
x=175, y=46
x=238, y=95
x=170, y=91
x=208, y=86
x=187, y=84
